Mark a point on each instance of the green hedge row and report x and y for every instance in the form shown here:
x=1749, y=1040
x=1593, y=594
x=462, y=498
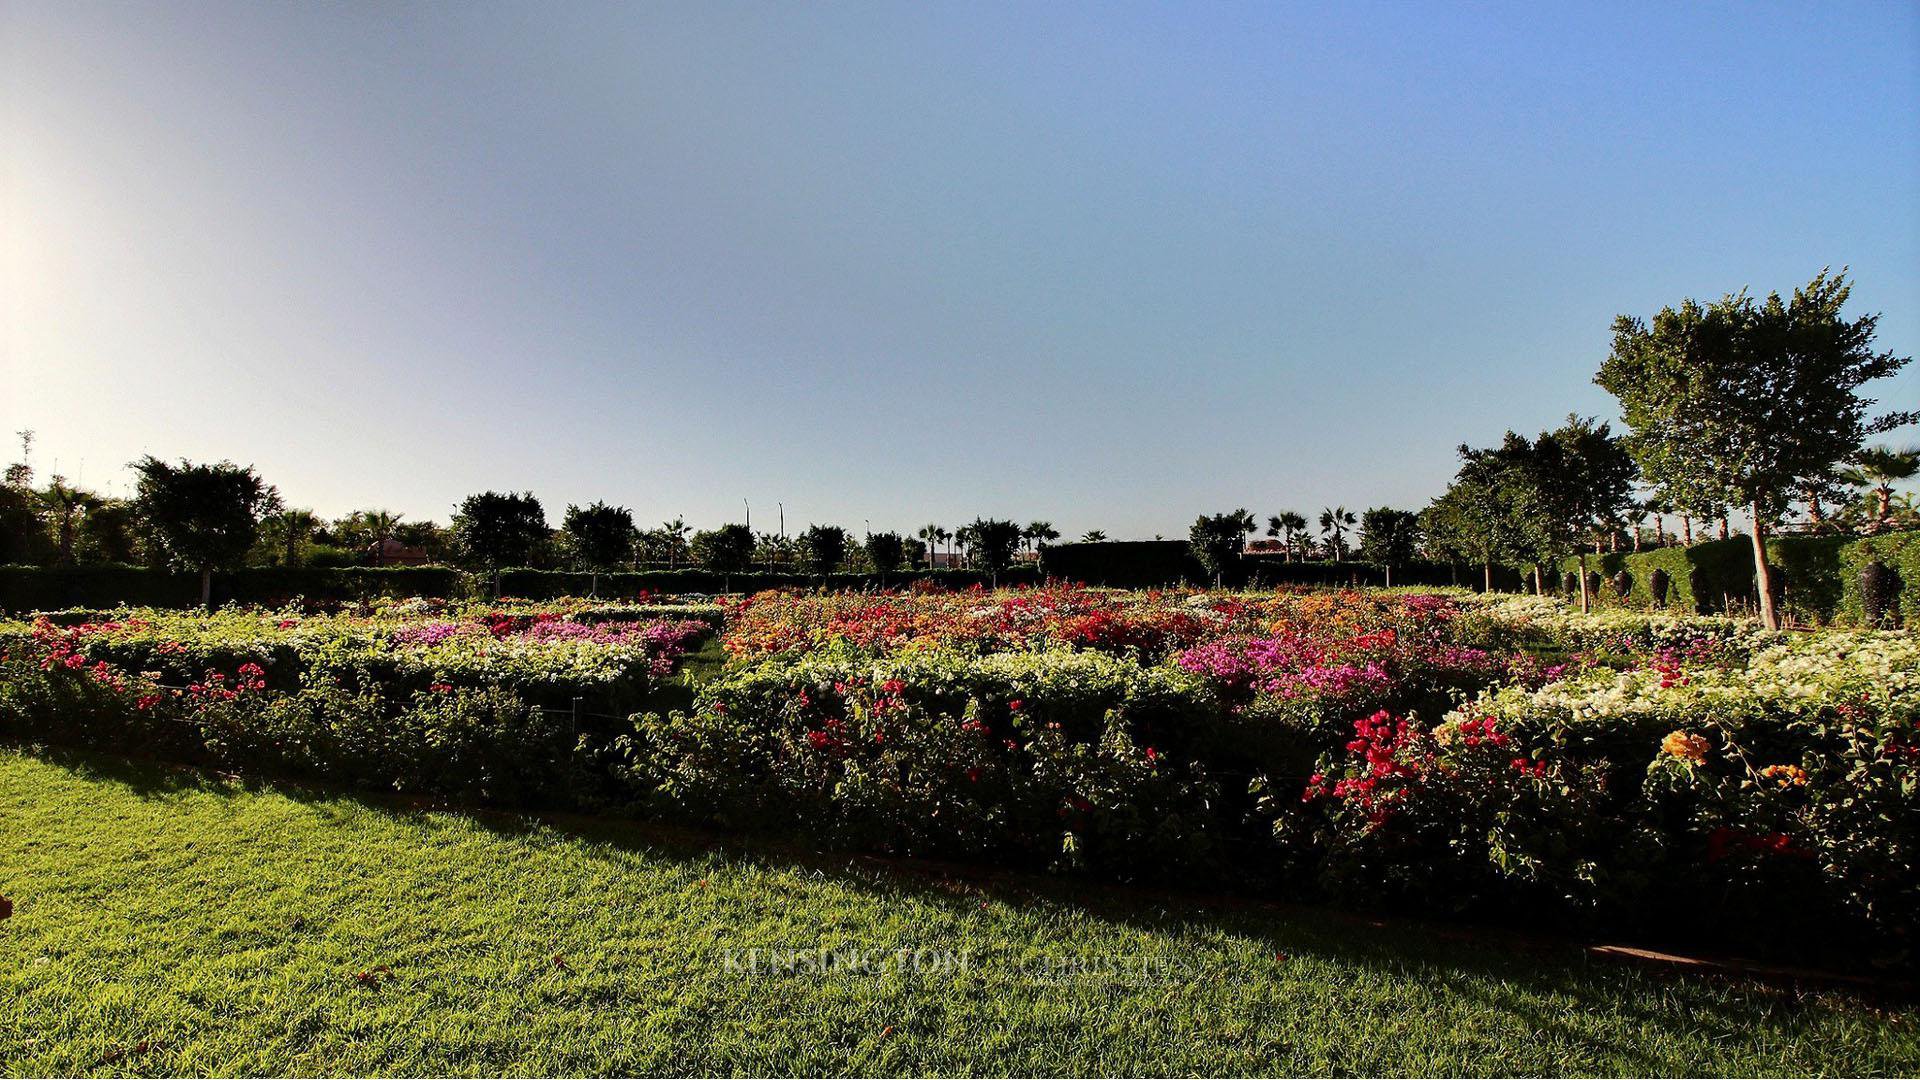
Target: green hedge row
x=1819, y=576
x=33, y=588
x=1142, y=564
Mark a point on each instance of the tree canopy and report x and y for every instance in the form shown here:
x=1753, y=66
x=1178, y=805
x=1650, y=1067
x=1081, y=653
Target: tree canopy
x=495, y=530
x=1749, y=403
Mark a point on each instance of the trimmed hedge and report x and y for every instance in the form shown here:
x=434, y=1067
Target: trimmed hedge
x=548, y=584
x=1820, y=576
x=1141, y=564
x=34, y=588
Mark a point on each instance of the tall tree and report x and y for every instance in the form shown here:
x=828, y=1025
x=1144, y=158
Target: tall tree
x=1217, y=540
x=1334, y=523
x=1039, y=534
x=993, y=543
x=1576, y=482
x=930, y=534
x=288, y=531
x=203, y=517
x=1389, y=537
x=826, y=548
x=601, y=537
x=493, y=530
x=1093, y=536
x=726, y=551
x=1744, y=403
x=887, y=551
x=66, y=505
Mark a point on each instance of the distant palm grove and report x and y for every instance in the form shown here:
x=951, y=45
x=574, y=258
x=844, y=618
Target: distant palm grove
x=1738, y=417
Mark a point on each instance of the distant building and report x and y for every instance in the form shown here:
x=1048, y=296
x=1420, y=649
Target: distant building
x=391, y=552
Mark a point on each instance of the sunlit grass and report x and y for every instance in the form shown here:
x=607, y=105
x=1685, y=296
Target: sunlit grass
x=168, y=923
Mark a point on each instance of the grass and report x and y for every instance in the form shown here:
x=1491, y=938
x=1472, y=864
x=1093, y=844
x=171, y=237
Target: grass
x=167, y=922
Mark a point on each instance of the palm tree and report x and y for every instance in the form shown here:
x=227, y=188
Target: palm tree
x=1093, y=536
x=293, y=526
x=1334, y=523
x=675, y=532
x=946, y=537
x=1038, y=534
x=1879, y=468
x=930, y=535
x=1289, y=524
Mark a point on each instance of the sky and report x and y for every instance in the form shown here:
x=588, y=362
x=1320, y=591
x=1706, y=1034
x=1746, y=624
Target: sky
x=1107, y=265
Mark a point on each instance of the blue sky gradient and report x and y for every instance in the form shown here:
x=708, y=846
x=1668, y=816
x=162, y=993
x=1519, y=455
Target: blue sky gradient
x=1111, y=266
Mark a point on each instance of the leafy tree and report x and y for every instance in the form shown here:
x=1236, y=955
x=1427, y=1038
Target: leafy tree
x=109, y=533
x=1217, y=540
x=673, y=537
x=887, y=551
x=601, y=537
x=1389, y=537
x=23, y=536
x=917, y=553
x=727, y=550
x=1879, y=468
x=993, y=542
x=1576, y=481
x=1745, y=403
x=1334, y=523
x=492, y=530
x=203, y=517
x=1093, y=536
x=826, y=548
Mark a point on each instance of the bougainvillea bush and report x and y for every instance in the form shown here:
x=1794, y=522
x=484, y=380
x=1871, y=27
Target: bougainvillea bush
x=1441, y=751
x=484, y=703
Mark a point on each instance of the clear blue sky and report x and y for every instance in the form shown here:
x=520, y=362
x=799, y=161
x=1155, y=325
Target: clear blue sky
x=1107, y=265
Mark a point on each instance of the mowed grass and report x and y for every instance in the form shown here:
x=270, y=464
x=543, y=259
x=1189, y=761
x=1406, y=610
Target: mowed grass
x=166, y=922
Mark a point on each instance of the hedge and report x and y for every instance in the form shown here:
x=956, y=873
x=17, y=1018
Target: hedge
x=1153, y=563
x=548, y=584
x=34, y=588
x=1819, y=575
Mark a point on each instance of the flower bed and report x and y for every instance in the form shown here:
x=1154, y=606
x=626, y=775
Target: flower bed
x=1685, y=773
x=421, y=696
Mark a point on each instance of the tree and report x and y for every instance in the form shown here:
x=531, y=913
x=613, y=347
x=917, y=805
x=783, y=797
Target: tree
x=1039, y=534
x=287, y=531
x=726, y=551
x=1879, y=468
x=1334, y=523
x=930, y=535
x=673, y=535
x=993, y=543
x=887, y=551
x=109, y=533
x=1291, y=526
x=1217, y=540
x=1744, y=403
x=601, y=537
x=826, y=548
x=67, y=505
x=1577, y=480
x=1093, y=536
x=203, y=517
x=493, y=530
x=1389, y=537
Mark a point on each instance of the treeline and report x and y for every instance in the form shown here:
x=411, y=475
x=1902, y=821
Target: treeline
x=1737, y=407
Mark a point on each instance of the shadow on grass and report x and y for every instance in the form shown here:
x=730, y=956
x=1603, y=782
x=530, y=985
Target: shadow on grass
x=1555, y=986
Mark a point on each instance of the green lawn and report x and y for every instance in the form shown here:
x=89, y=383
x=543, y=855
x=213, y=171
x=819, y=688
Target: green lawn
x=168, y=923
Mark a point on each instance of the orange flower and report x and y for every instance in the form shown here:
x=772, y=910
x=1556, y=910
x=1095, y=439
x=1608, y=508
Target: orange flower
x=1786, y=775
x=1685, y=745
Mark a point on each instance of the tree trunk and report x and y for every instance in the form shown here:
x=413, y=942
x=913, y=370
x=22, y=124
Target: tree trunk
x=1389, y=575
x=1885, y=491
x=1762, y=573
x=1486, y=574
x=206, y=587
x=1585, y=603
x=1539, y=588
x=1725, y=529
x=1686, y=530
